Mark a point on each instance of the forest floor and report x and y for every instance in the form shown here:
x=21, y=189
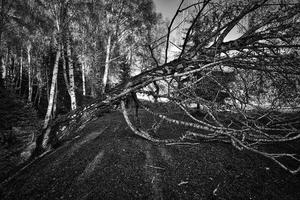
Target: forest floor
x=19, y=123
x=106, y=160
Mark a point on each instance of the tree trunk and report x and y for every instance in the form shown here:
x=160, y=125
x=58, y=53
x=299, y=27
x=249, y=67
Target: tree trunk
x=52, y=91
x=54, y=102
x=29, y=73
x=93, y=90
x=13, y=71
x=47, y=83
x=9, y=70
x=40, y=86
x=83, y=76
x=6, y=69
x=2, y=66
x=106, y=69
x=21, y=73
x=3, y=70
x=71, y=77
x=65, y=74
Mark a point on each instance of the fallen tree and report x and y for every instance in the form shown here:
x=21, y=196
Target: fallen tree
x=264, y=60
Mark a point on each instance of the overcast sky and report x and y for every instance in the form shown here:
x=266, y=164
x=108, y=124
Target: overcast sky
x=167, y=7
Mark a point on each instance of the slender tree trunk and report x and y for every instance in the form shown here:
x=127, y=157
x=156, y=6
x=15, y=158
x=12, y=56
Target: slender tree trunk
x=83, y=64
x=93, y=92
x=65, y=73
x=12, y=71
x=29, y=73
x=40, y=86
x=71, y=76
x=16, y=72
x=47, y=83
x=106, y=69
x=298, y=86
x=52, y=91
x=3, y=70
x=54, y=102
x=1, y=53
x=7, y=71
x=21, y=73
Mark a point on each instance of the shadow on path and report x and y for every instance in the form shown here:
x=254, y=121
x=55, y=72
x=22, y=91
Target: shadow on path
x=106, y=161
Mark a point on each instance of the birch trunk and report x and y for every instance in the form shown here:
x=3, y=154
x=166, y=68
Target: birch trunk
x=8, y=68
x=3, y=70
x=29, y=73
x=13, y=71
x=54, y=102
x=21, y=73
x=40, y=86
x=83, y=77
x=2, y=66
x=47, y=83
x=71, y=77
x=52, y=91
x=106, y=69
x=65, y=74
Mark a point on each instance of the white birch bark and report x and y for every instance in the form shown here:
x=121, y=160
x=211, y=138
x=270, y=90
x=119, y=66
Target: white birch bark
x=65, y=74
x=71, y=77
x=54, y=102
x=47, y=85
x=106, y=69
x=3, y=69
x=21, y=73
x=40, y=85
x=52, y=90
x=29, y=73
x=83, y=64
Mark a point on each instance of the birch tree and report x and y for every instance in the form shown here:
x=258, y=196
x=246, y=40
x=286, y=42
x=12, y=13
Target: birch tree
x=71, y=88
x=29, y=67
x=67, y=21
x=56, y=16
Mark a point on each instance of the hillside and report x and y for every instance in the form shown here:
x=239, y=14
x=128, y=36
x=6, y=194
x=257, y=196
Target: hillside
x=106, y=161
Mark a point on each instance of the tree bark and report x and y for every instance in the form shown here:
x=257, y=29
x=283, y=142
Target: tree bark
x=9, y=69
x=3, y=71
x=106, y=69
x=54, y=102
x=40, y=86
x=83, y=76
x=71, y=76
x=29, y=73
x=47, y=84
x=52, y=90
x=65, y=74
x=13, y=71
x=21, y=73
x=2, y=67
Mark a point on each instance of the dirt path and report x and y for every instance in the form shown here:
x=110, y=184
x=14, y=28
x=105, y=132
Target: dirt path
x=106, y=161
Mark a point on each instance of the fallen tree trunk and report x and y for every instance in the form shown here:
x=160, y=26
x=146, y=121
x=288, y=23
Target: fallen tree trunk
x=241, y=139
x=78, y=118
